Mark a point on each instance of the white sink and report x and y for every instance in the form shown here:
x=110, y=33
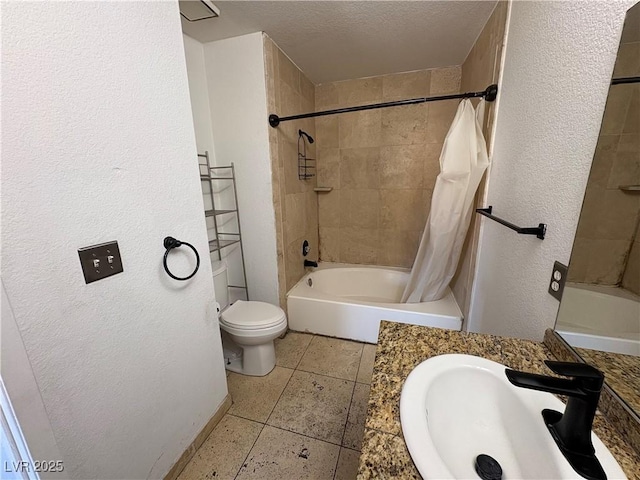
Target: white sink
x=456, y=407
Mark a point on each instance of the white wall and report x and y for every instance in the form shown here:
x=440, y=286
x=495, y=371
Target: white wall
x=238, y=99
x=199, y=95
x=24, y=392
x=558, y=65
x=100, y=146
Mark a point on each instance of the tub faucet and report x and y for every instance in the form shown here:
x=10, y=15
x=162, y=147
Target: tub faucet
x=309, y=263
x=571, y=430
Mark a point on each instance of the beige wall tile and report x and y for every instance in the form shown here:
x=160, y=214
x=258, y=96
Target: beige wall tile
x=603, y=159
x=295, y=224
x=360, y=129
x=289, y=165
x=359, y=168
x=329, y=208
x=606, y=267
x=288, y=72
x=439, y=119
x=398, y=248
x=289, y=103
x=311, y=211
x=632, y=121
x=631, y=30
x=618, y=208
x=431, y=164
x=404, y=125
x=327, y=131
x=579, y=263
x=326, y=97
x=404, y=86
x=631, y=277
x=307, y=89
x=359, y=245
x=403, y=209
x=295, y=261
x=328, y=164
x=591, y=213
x=445, y=80
x=360, y=208
x=628, y=60
x=330, y=244
x=625, y=170
x=629, y=143
x=360, y=91
x=615, y=112
x=402, y=166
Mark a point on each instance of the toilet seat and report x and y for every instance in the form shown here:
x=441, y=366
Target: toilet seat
x=251, y=315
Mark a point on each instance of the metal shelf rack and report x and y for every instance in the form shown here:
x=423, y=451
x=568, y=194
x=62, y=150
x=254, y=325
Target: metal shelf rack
x=221, y=242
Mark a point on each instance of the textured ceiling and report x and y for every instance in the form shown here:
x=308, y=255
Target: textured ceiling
x=339, y=40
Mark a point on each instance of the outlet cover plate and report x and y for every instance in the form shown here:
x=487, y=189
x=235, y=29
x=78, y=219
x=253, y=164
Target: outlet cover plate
x=558, y=279
x=100, y=261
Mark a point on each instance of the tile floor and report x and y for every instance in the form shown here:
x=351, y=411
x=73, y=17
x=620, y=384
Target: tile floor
x=305, y=420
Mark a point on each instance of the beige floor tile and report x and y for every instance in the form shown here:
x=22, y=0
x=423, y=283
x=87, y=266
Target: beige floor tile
x=314, y=405
x=222, y=453
x=333, y=357
x=365, y=371
x=255, y=397
x=282, y=455
x=348, y=461
x=289, y=350
x=354, y=430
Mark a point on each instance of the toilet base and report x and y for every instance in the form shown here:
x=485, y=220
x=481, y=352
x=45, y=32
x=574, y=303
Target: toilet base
x=253, y=360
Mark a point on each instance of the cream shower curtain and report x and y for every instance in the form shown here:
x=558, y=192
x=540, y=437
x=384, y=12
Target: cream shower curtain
x=462, y=163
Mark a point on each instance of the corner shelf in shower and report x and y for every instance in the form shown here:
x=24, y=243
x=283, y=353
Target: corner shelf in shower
x=219, y=243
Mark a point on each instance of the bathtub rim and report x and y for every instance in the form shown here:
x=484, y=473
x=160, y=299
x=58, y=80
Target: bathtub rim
x=411, y=307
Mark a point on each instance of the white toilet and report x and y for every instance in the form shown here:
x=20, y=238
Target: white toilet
x=248, y=329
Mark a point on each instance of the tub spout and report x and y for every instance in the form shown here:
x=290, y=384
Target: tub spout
x=309, y=263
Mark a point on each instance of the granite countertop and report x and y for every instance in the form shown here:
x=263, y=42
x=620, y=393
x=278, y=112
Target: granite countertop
x=401, y=348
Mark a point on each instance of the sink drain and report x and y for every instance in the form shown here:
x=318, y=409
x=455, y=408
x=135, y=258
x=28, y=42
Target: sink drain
x=488, y=468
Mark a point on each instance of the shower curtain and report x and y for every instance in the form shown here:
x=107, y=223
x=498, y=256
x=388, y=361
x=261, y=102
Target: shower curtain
x=462, y=163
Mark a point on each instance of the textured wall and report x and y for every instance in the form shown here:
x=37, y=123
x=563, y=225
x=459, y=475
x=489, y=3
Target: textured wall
x=609, y=217
x=289, y=92
x=101, y=146
x=382, y=165
x=480, y=69
x=238, y=105
x=558, y=65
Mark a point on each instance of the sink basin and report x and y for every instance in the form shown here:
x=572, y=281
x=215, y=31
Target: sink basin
x=456, y=407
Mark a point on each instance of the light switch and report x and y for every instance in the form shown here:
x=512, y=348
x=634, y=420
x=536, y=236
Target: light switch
x=100, y=261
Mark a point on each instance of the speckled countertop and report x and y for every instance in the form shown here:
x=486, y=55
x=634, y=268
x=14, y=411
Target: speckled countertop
x=401, y=348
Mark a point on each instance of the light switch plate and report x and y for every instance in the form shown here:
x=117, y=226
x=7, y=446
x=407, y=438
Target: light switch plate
x=558, y=279
x=100, y=261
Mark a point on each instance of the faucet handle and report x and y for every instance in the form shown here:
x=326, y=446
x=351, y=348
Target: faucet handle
x=589, y=377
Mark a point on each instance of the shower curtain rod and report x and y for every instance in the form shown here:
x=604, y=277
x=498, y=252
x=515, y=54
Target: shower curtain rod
x=621, y=80
x=489, y=95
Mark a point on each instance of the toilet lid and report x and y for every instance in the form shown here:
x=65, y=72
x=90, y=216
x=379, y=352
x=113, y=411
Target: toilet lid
x=252, y=315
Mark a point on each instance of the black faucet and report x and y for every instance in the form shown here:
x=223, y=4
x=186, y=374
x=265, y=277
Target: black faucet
x=571, y=430
x=309, y=263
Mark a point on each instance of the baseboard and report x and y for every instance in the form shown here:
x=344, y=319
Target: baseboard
x=199, y=440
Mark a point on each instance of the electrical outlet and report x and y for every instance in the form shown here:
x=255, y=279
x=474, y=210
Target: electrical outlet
x=558, y=279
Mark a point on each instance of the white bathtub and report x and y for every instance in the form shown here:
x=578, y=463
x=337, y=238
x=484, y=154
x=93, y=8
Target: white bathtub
x=600, y=318
x=349, y=301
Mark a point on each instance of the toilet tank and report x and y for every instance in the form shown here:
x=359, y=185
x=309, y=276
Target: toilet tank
x=220, y=284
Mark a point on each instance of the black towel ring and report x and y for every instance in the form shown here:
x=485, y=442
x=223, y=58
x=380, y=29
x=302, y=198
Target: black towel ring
x=169, y=243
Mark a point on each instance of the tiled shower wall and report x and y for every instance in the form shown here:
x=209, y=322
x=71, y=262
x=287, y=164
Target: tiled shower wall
x=606, y=250
x=382, y=164
x=289, y=92
x=480, y=69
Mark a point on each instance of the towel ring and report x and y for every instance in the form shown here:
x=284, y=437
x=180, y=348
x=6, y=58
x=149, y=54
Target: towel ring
x=170, y=243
